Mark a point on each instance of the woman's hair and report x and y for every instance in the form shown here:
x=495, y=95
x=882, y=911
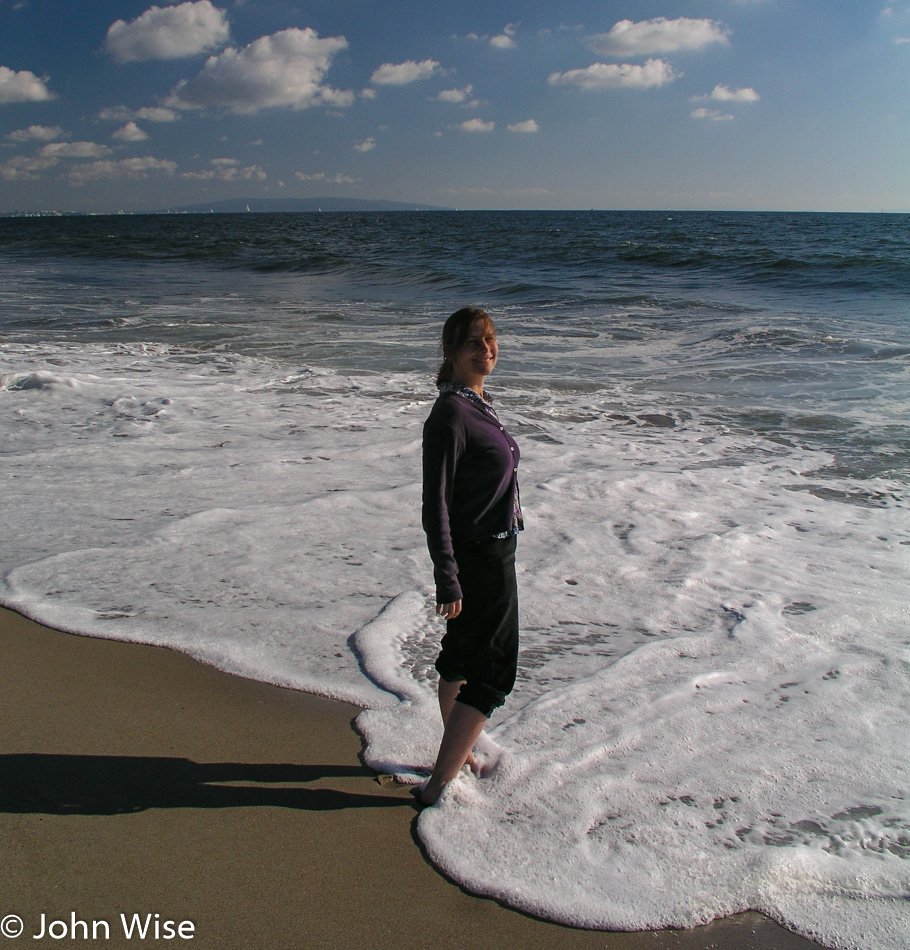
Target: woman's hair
x=455, y=334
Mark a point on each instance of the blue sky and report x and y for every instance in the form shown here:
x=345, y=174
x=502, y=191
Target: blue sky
x=713, y=104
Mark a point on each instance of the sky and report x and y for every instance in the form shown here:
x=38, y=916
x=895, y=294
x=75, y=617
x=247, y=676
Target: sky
x=110, y=105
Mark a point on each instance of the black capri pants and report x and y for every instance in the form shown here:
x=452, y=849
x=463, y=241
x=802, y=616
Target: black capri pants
x=481, y=644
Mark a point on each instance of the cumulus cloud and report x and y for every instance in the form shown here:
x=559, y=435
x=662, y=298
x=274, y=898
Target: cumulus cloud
x=22, y=168
x=456, y=95
x=168, y=33
x=29, y=168
x=281, y=70
x=19, y=169
x=367, y=145
x=37, y=133
x=659, y=35
x=505, y=40
x=321, y=176
x=712, y=114
x=477, y=125
x=655, y=72
x=22, y=87
x=147, y=114
x=400, y=74
x=130, y=133
x=132, y=168
x=226, y=169
x=725, y=94
x=58, y=150
x=527, y=126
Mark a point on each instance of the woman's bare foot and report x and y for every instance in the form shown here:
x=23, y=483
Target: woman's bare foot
x=463, y=727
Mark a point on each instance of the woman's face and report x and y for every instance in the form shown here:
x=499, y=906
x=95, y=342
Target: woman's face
x=477, y=357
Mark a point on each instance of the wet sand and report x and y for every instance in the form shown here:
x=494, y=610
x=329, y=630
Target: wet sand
x=138, y=781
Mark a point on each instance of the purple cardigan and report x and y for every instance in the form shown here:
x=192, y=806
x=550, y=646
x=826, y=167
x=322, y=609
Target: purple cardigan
x=470, y=480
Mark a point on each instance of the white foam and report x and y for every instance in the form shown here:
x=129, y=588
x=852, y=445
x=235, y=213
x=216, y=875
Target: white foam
x=712, y=708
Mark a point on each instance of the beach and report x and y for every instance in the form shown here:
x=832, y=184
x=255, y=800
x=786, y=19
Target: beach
x=145, y=782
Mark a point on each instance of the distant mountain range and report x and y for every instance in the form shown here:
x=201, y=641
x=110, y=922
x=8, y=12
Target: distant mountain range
x=240, y=205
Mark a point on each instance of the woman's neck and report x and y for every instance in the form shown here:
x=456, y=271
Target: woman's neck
x=475, y=384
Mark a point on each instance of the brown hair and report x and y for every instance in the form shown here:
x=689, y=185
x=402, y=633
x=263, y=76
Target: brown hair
x=455, y=334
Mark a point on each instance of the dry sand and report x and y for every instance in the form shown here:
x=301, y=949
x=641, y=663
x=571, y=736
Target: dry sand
x=138, y=781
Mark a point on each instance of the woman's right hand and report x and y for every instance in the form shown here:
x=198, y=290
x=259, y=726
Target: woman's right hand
x=449, y=611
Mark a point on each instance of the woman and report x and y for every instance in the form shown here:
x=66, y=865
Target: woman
x=471, y=516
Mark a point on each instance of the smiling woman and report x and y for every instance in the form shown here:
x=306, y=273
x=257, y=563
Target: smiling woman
x=471, y=515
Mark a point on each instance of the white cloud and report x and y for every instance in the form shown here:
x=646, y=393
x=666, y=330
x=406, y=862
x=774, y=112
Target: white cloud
x=400, y=74
x=528, y=126
x=133, y=168
x=281, y=70
x=655, y=72
x=505, y=40
x=341, y=98
x=368, y=93
x=711, y=114
x=168, y=33
x=477, y=125
x=22, y=168
x=130, y=133
x=22, y=87
x=659, y=35
x=37, y=133
x=27, y=168
x=367, y=145
x=723, y=93
x=147, y=114
x=58, y=150
x=321, y=176
x=456, y=95
x=226, y=169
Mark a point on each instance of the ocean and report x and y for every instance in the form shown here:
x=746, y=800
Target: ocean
x=210, y=428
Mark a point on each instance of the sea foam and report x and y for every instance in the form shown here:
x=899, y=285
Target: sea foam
x=711, y=713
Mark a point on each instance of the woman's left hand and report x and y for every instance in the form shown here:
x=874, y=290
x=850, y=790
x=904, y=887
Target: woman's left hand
x=449, y=611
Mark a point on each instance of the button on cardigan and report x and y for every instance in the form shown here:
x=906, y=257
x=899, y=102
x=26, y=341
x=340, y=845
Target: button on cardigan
x=470, y=483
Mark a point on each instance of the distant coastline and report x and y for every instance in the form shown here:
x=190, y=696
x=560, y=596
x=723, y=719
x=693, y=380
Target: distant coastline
x=254, y=205
x=272, y=205
x=356, y=205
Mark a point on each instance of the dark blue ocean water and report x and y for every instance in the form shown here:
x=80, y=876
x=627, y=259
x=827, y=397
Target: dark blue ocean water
x=795, y=325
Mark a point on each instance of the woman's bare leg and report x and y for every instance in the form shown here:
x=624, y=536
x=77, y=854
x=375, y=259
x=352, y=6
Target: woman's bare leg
x=463, y=727
x=447, y=695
